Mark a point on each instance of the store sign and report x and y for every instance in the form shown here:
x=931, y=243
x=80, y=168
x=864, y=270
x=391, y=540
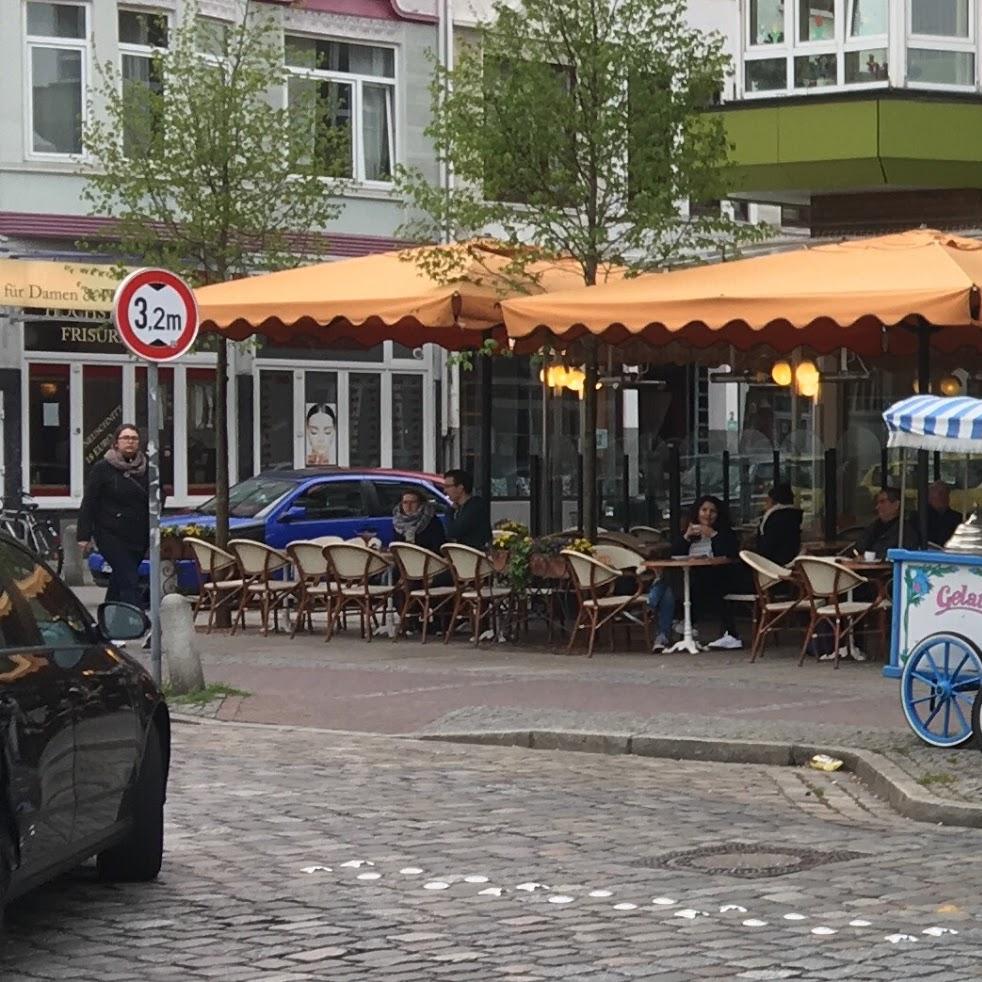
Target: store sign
x=96, y=338
x=64, y=286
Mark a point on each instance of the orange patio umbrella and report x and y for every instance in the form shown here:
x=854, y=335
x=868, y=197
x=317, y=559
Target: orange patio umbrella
x=384, y=297
x=856, y=294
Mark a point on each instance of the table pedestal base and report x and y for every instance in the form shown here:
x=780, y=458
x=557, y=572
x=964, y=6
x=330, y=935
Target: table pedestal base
x=686, y=644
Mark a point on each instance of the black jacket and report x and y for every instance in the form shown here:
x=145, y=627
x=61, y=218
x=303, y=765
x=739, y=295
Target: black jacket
x=432, y=537
x=470, y=524
x=115, y=505
x=941, y=525
x=780, y=538
x=879, y=537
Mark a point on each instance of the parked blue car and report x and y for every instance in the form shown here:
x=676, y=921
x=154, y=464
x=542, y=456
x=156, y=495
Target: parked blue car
x=280, y=506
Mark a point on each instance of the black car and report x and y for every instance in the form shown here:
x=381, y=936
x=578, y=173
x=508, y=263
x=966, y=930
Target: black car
x=84, y=735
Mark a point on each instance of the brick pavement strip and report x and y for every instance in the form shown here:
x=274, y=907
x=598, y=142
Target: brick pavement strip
x=576, y=823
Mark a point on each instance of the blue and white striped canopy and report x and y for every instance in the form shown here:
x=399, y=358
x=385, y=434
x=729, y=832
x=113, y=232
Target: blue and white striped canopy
x=936, y=423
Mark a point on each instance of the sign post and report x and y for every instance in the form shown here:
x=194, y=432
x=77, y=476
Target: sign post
x=156, y=317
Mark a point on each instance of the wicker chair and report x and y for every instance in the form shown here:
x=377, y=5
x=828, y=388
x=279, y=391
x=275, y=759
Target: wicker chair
x=827, y=588
x=475, y=595
x=263, y=587
x=418, y=568
x=316, y=591
x=769, y=609
x=597, y=606
x=353, y=567
x=219, y=580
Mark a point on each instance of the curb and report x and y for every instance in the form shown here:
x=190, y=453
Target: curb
x=880, y=775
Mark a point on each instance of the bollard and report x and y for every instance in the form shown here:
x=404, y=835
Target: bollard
x=179, y=644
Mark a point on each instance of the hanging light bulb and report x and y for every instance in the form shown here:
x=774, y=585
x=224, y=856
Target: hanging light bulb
x=781, y=373
x=806, y=379
x=950, y=385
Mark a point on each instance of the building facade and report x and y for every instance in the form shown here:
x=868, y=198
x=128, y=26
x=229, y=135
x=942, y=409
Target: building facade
x=65, y=380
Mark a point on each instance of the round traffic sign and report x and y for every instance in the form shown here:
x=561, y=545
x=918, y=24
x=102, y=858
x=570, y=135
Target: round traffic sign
x=155, y=314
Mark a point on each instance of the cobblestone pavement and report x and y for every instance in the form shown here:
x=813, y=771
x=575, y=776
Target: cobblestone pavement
x=306, y=855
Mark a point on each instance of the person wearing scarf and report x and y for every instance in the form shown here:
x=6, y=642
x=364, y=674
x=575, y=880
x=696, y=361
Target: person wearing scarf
x=115, y=513
x=414, y=520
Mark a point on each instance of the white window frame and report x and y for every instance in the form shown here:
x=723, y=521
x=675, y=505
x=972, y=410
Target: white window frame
x=840, y=45
x=357, y=81
x=146, y=51
x=935, y=42
x=32, y=41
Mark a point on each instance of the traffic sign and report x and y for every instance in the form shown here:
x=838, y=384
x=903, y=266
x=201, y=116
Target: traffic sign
x=155, y=314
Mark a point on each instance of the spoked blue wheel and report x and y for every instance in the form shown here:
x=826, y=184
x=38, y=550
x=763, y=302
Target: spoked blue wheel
x=938, y=686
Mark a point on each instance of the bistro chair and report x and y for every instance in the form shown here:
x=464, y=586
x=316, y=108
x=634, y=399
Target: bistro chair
x=475, y=596
x=828, y=589
x=266, y=584
x=316, y=591
x=325, y=540
x=771, y=606
x=418, y=569
x=219, y=580
x=357, y=572
x=593, y=582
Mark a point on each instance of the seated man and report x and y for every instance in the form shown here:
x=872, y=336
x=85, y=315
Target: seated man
x=779, y=532
x=883, y=533
x=942, y=520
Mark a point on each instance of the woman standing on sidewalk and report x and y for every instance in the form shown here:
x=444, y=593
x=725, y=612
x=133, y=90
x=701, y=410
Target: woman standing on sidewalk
x=115, y=513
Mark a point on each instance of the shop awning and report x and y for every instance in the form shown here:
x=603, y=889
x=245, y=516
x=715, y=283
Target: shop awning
x=856, y=294
x=952, y=425
x=411, y=296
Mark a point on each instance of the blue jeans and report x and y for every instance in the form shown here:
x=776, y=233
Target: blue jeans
x=661, y=600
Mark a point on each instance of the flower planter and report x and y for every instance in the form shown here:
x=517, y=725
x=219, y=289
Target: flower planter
x=171, y=548
x=547, y=567
x=499, y=559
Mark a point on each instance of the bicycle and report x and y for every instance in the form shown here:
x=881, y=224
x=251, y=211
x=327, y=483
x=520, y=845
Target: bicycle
x=39, y=534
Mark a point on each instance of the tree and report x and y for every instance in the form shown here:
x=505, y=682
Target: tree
x=204, y=172
x=579, y=126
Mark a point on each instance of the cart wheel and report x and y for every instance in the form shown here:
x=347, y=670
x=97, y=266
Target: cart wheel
x=938, y=686
x=977, y=719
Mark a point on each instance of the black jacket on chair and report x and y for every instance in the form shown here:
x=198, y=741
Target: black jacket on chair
x=117, y=505
x=779, y=535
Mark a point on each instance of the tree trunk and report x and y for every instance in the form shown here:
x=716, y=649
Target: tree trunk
x=588, y=520
x=223, y=615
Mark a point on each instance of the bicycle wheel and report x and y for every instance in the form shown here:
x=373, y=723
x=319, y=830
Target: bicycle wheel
x=47, y=544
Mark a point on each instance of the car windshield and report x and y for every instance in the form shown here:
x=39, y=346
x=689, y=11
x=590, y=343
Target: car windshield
x=252, y=497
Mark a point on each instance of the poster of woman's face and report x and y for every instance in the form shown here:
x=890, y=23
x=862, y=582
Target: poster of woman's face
x=321, y=433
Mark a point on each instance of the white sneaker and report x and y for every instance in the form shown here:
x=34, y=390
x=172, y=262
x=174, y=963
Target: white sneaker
x=828, y=656
x=726, y=643
x=857, y=654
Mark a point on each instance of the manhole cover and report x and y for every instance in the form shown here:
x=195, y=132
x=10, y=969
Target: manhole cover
x=749, y=861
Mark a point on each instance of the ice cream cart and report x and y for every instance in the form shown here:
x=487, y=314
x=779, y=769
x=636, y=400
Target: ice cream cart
x=936, y=635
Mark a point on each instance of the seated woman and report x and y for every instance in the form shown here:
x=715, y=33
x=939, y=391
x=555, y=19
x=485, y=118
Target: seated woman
x=779, y=532
x=708, y=532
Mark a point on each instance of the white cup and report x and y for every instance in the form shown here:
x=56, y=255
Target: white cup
x=870, y=557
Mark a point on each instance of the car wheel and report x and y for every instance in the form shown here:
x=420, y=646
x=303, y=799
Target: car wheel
x=138, y=856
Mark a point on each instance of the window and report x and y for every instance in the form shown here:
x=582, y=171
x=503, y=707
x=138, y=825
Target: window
x=407, y=411
x=390, y=494
x=57, y=53
x=344, y=94
x=276, y=412
x=201, y=430
x=212, y=37
x=805, y=45
x=365, y=419
x=49, y=409
x=941, y=44
x=142, y=35
x=333, y=499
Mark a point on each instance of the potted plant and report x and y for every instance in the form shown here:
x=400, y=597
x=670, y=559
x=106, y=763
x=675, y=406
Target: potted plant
x=172, y=539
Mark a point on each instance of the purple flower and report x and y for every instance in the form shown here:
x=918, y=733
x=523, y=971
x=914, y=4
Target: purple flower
x=920, y=583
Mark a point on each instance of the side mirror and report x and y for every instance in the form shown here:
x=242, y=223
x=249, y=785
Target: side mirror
x=296, y=513
x=122, y=622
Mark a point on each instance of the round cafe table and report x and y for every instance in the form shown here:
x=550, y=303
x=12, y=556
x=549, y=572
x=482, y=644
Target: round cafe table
x=686, y=564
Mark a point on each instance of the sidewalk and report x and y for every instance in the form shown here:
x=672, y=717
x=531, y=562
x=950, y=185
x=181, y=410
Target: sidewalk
x=405, y=687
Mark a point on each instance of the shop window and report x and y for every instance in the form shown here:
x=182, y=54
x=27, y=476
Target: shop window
x=166, y=410
x=365, y=416
x=347, y=93
x=275, y=419
x=57, y=53
x=201, y=430
x=320, y=418
x=407, y=413
x=102, y=410
x=142, y=34
x=49, y=402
